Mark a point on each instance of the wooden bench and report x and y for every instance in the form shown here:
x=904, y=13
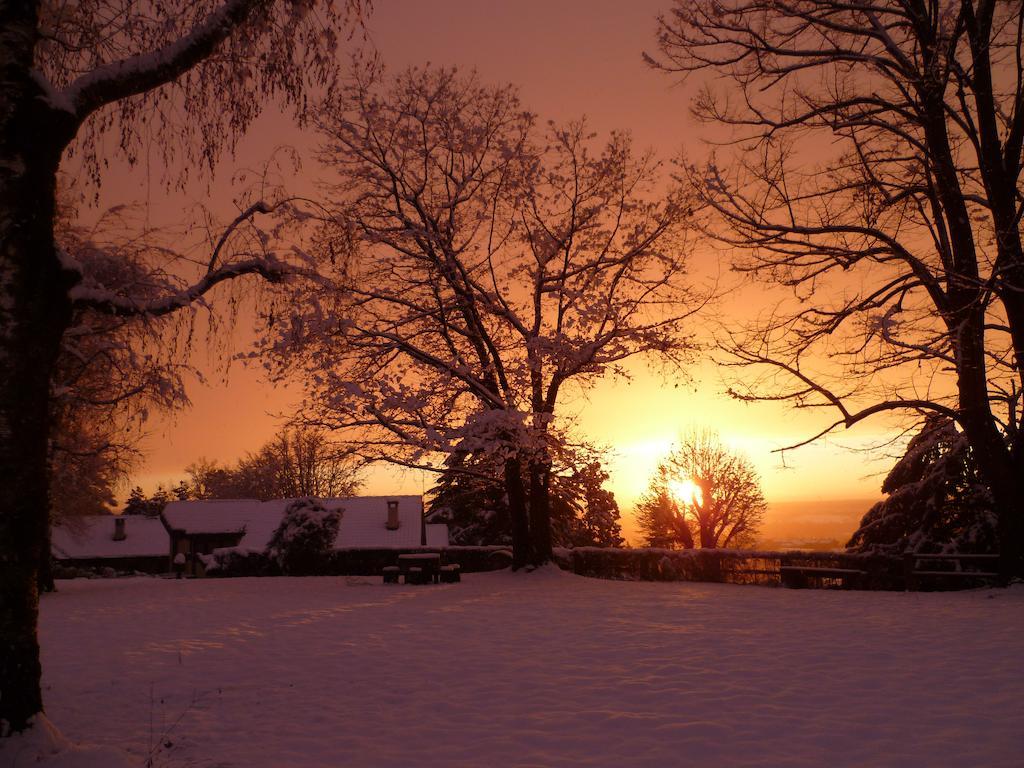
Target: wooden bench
x=797, y=576
x=391, y=573
x=450, y=574
x=920, y=569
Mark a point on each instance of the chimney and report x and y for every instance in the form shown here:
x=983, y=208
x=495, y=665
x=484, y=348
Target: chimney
x=119, y=534
x=392, y=523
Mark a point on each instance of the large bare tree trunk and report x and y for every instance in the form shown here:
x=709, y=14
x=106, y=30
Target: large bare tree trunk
x=517, y=513
x=540, y=513
x=966, y=326
x=992, y=454
x=31, y=288
x=44, y=579
x=34, y=312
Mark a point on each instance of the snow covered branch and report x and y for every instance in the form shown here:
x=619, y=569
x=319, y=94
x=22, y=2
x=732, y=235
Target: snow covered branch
x=143, y=72
x=269, y=269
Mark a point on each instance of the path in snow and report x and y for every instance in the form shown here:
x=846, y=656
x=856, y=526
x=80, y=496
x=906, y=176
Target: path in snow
x=544, y=669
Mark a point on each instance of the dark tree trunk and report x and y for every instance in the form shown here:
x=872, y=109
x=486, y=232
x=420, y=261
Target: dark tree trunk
x=517, y=513
x=1011, y=514
x=44, y=579
x=1006, y=484
x=991, y=452
x=540, y=513
x=32, y=321
x=708, y=540
x=966, y=323
x=683, y=535
x=34, y=313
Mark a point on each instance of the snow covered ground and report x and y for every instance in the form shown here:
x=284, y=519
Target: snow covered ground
x=543, y=669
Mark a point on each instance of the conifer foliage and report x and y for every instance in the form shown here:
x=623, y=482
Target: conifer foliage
x=936, y=501
x=470, y=498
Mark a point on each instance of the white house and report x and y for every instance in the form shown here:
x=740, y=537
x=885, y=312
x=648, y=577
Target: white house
x=367, y=522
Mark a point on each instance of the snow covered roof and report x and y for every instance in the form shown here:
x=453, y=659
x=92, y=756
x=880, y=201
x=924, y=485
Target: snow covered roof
x=363, y=522
x=259, y=519
x=93, y=537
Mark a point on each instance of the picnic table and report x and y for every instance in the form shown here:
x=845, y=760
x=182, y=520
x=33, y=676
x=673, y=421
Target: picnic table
x=421, y=568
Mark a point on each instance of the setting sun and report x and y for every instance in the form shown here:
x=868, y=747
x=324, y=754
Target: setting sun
x=686, y=491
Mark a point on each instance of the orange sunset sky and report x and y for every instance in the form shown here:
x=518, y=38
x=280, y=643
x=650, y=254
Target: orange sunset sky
x=569, y=59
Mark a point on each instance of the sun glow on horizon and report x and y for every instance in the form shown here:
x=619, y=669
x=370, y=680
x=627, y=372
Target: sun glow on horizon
x=686, y=491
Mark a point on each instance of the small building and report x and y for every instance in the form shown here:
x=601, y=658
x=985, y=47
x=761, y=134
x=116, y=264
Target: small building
x=367, y=522
x=121, y=542
x=198, y=527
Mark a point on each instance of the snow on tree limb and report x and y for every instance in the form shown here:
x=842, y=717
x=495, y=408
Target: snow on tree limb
x=99, y=300
x=143, y=72
x=88, y=295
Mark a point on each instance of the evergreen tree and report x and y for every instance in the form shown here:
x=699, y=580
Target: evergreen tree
x=600, y=525
x=583, y=512
x=161, y=498
x=935, y=499
x=470, y=498
x=304, y=539
x=137, y=503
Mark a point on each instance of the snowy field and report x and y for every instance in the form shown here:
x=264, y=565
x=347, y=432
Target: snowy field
x=543, y=669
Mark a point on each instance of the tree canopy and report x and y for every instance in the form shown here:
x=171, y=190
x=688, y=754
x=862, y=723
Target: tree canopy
x=875, y=171
x=702, y=495
x=481, y=266
x=299, y=462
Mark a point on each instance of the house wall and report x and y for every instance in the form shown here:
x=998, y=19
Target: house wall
x=155, y=564
x=193, y=544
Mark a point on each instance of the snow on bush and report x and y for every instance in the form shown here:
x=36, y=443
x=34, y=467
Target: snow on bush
x=303, y=542
x=936, y=501
x=239, y=561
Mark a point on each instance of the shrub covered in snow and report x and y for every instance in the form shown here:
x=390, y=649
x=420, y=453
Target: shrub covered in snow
x=231, y=562
x=303, y=542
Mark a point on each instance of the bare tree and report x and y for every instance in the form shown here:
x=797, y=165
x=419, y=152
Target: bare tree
x=310, y=464
x=660, y=514
x=703, y=494
x=495, y=266
x=104, y=385
x=205, y=479
x=87, y=70
x=903, y=246
x=298, y=462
